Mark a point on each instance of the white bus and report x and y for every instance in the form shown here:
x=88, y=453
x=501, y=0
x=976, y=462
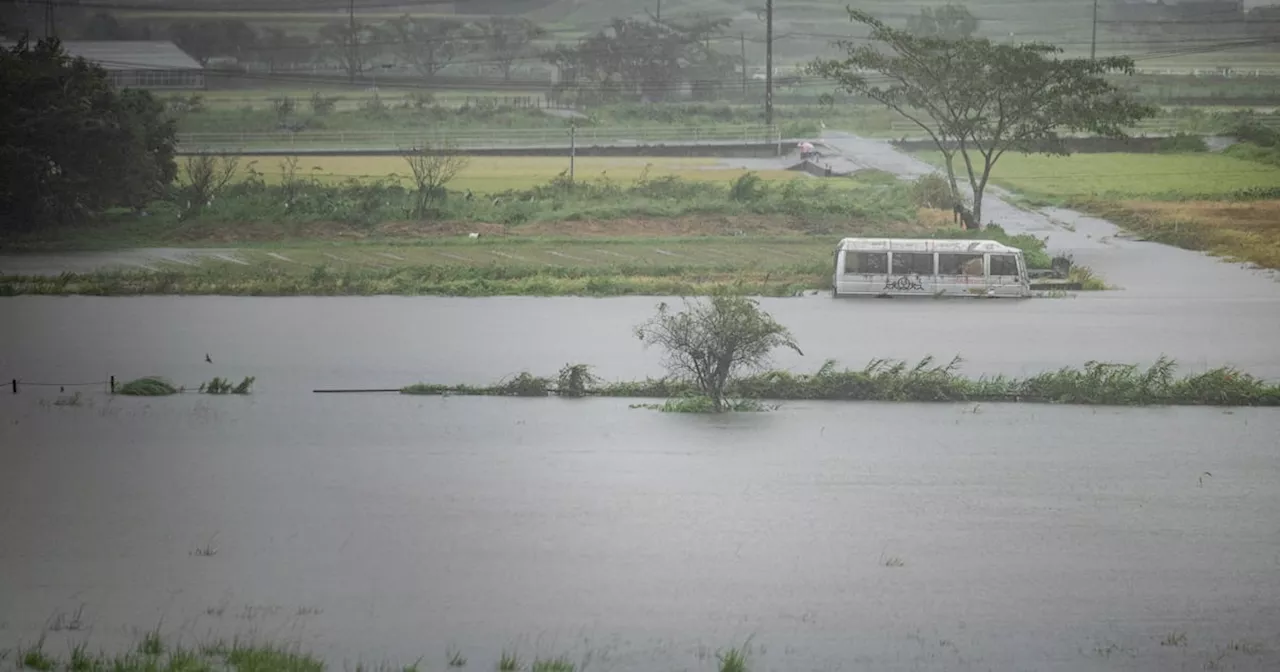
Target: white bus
x=926, y=267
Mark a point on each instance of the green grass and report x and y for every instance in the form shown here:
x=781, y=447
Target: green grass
x=150, y=386
x=782, y=266
x=293, y=207
x=1095, y=383
x=560, y=664
x=1121, y=175
x=508, y=662
x=733, y=659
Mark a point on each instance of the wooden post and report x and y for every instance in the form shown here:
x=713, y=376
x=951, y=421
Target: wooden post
x=15, y=385
x=113, y=384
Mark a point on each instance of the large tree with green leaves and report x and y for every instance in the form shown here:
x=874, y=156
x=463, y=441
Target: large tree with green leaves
x=714, y=340
x=71, y=145
x=977, y=99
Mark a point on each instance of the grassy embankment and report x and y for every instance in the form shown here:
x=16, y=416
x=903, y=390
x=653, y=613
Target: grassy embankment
x=1227, y=204
x=1095, y=383
x=154, y=654
x=654, y=235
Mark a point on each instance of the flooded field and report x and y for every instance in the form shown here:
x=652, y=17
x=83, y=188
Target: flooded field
x=294, y=345
x=858, y=536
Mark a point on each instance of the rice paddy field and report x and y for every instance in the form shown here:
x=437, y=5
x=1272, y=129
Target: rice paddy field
x=1118, y=175
x=499, y=174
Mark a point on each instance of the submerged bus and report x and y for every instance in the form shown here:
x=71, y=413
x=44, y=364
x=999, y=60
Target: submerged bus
x=927, y=267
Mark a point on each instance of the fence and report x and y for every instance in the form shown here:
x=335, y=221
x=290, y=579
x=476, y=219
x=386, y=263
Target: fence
x=555, y=138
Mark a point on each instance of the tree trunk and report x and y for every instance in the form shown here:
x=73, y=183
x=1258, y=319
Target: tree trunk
x=951, y=178
x=977, y=206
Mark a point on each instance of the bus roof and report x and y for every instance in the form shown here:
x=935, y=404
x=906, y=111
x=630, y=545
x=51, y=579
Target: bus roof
x=924, y=245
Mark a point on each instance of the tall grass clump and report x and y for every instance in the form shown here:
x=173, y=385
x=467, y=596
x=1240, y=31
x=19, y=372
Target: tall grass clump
x=224, y=386
x=733, y=659
x=150, y=386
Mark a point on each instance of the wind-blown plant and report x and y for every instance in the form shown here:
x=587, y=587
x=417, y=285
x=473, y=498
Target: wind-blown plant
x=714, y=340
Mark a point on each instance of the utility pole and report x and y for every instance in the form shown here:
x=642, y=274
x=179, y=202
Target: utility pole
x=50, y=23
x=768, y=63
x=573, y=147
x=1093, y=44
x=742, y=40
x=352, y=49
x=659, y=15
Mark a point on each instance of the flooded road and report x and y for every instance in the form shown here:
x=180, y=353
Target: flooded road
x=837, y=536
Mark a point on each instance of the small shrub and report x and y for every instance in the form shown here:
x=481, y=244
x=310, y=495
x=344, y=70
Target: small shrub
x=284, y=107
x=323, y=105
x=374, y=107
x=575, y=380
x=748, y=188
x=1174, y=639
x=523, y=385
x=1086, y=277
x=456, y=659
x=151, y=386
x=1181, y=143
x=932, y=191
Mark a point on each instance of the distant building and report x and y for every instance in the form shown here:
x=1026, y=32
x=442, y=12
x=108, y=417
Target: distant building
x=141, y=65
x=1176, y=10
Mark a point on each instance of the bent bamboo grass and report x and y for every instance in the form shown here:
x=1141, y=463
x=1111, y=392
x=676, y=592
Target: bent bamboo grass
x=150, y=386
x=1095, y=383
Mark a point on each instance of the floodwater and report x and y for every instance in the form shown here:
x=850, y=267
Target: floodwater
x=380, y=527
x=384, y=528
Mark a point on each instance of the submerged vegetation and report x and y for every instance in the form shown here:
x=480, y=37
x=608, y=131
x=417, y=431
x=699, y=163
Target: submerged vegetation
x=153, y=654
x=150, y=386
x=224, y=386
x=1099, y=383
x=154, y=386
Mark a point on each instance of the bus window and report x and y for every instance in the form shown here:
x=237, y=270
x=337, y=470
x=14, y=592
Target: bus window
x=1004, y=264
x=866, y=262
x=913, y=263
x=959, y=264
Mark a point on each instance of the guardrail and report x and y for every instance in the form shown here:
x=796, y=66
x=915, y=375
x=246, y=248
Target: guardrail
x=473, y=139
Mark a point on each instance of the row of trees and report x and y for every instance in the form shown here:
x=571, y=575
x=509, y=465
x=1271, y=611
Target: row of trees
x=427, y=45
x=647, y=58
